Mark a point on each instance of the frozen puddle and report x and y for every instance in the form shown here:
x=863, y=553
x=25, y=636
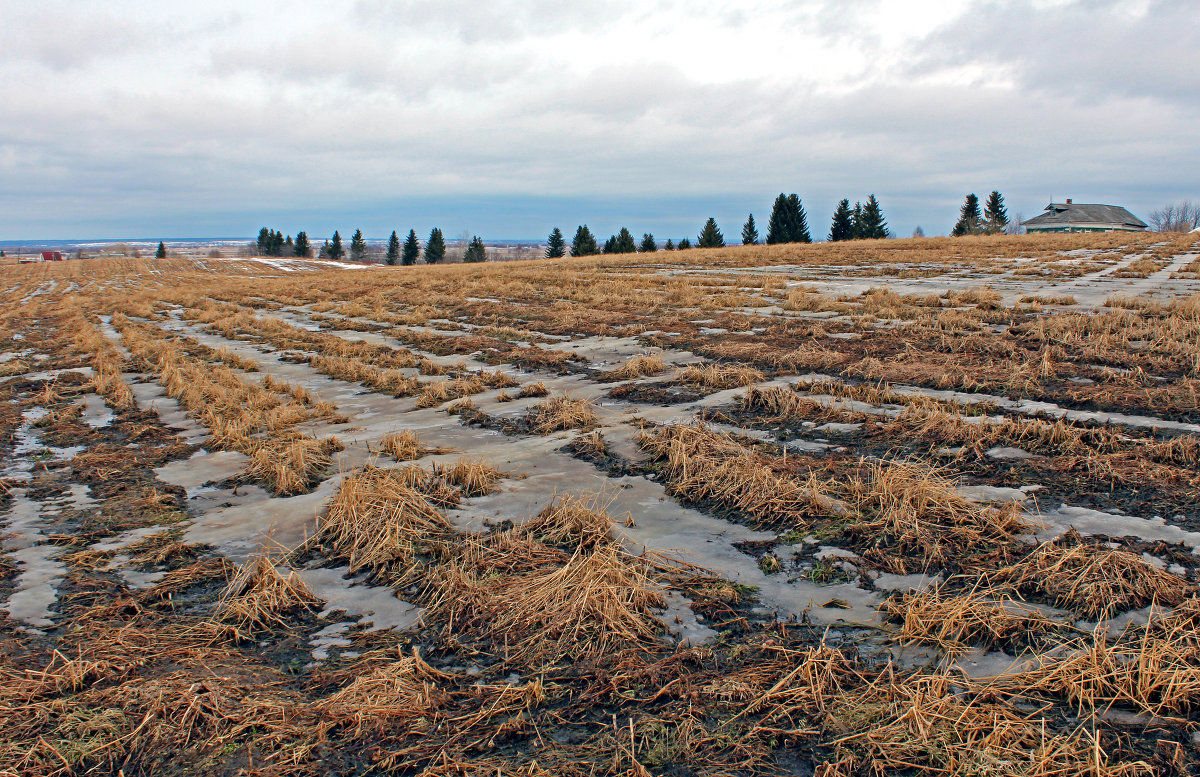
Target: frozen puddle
x=36, y=585
x=1088, y=521
x=376, y=606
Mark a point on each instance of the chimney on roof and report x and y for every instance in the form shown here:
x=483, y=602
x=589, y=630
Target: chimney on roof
x=1068, y=200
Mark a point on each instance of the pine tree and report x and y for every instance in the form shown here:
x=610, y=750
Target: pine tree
x=995, y=214
x=302, y=247
x=475, y=251
x=750, y=232
x=969, y=218
x=412, y=249
x=161, y=253
x=710, y=236
x=584, y=243
x=669, y=245
x=778, y=228
x=556, y=246
x=393, y=250
x=842, y=227
x=798, y=221
x=872, y=225
x=610, y=245
x=335, y=250
x=684, y=244
x=324, y=252
x=648, y=245
x=277, y=244
x=264, y=241
x=435, y=247
x=289, y=248
x=625, y=243
x=358, y=246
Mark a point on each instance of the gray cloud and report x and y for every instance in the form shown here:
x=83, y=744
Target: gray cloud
x=336, y=106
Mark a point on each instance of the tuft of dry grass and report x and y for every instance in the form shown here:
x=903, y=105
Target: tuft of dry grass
x=380, y=518
x=292, y=464
x=533, y=390
x=701, y=464
x=916, y=511
x=403, y=446
x=718, y=376
x=596, y=604
x=955, y=621
x=571, y=522
x=475, y=477
x=258, y=596
x=640, y=366
x=1092, y=579
x=561, y=413
x=396, y=692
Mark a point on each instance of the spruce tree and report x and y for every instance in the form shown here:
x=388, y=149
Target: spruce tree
x=302, y=247
x=584, y=243
x=842, y=227
x=797, y=221
x=969, y=218
x=161, y=253
x=475, y=251
x=412, y=249
x=750, y=232
x=277, y=244
x=264, y=241
x=872, y=225
x=710, y=236
x=669, y=245
x=335, y=250
x=393, y=250
x=648, y=245
x=556, y=246
x=625, y=244
x=778, y=228
x=856, y=221
x=684, y=244
x=610, y=245
x=358, y=246
x=995, y=214
x=435, y=247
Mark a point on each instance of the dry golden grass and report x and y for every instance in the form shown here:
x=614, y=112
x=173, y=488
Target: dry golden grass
x=916, y=513
x=956, y=621
x=597, y=603
x=718, y=376
x=475, y=477
x=292, y=464
x=571, y=522
x=1093, y=580
x=392, y=693
x=560, y=413
x=402, y=446
x=381, y=519
x=259, y=597
x=1153, y=673
x=637, y=367
x=701, y=464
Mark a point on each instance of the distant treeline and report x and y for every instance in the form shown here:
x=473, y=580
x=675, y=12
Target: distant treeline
x=788, y=224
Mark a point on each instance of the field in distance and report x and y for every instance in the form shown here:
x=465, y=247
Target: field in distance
x=924, y=507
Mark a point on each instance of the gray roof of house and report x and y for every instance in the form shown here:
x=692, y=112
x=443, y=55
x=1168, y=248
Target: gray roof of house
x=1082, y=213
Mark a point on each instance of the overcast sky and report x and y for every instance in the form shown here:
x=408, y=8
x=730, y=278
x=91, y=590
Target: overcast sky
x=172, y=119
